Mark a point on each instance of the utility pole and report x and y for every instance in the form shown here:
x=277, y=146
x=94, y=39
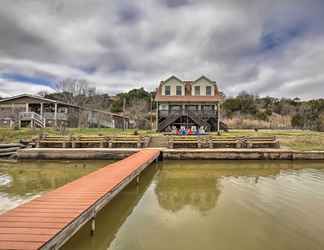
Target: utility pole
x=151, y=115
x=124, y=109
x=218, y=118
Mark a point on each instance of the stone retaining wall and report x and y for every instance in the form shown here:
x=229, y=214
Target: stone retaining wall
x=175, y=154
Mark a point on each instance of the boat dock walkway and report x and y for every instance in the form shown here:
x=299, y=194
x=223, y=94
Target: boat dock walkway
x=48, y=221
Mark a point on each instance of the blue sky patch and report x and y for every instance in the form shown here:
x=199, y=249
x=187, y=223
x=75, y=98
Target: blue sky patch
x=274, y=39
x=27, y=79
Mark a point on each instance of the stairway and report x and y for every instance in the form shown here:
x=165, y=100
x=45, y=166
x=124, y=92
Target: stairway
x=35, y=119
x=199, y=120
x=159, y=142
x=171, y=118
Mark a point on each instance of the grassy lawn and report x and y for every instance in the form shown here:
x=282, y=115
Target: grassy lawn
x=11, y=135
x=294, y=139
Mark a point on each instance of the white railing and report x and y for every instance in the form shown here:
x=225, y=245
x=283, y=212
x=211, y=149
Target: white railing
x=59, y=116
x=25, y=116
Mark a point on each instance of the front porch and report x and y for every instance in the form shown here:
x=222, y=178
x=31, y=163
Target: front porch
x=188, y=115
x=43, y=115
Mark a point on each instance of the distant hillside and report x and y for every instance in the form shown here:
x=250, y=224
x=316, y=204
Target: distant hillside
x=249, y=111
x=242, y=111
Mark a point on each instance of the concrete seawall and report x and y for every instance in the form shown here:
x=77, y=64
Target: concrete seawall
x=75, y=153
x=241, y=154
x=175, y=154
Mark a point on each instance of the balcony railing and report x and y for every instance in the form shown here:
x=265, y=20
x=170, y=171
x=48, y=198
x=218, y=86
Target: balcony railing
x=202, y=113
x=29, y=116
x=59, y=116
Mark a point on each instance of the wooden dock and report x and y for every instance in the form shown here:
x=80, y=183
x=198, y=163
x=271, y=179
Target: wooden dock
x=49, y=221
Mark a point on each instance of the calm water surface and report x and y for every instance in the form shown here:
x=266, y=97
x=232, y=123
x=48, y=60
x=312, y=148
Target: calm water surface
x=195, y=205
x=22, y=181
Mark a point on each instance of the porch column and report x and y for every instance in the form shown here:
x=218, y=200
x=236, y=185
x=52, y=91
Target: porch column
x=218, y=117
x=41, y=109
x=27, y=107
x=55, y=114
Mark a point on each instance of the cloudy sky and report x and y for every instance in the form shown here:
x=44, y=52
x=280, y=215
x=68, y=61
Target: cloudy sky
x=266, y=47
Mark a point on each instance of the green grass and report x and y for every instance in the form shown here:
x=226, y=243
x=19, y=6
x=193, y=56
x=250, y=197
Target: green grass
x=12, y=135
x=294, y=139
x=304, y=140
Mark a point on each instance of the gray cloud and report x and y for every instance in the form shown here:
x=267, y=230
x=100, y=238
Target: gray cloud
x=261, y=46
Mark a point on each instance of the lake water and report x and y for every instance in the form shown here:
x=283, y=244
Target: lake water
x=22, y=181
x=208, y=205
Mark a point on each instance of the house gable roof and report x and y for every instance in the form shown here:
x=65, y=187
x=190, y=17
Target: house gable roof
x=205, y=78
x=39, y=98
x=173, y=77
x=188, y=98
x=62, y=103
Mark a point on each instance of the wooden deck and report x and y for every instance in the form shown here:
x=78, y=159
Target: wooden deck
x=49, y=221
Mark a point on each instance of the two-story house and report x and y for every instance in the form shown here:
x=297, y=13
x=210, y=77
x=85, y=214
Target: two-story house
x=188, y=103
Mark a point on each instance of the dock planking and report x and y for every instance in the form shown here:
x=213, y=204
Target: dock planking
x=48, y=221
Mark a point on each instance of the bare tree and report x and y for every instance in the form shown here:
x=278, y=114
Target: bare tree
x=138, y=110
x=77, y=87
x=42, y=93
x=75, y=91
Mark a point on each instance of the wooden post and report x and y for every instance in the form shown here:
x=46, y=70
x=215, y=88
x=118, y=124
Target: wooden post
x=41, y=109
x=27, y=107
x=124, y=107
x=151, y=114
x=157, y=117
x=218, y=117
x=210, y=142
x=55, y=114
x=93, y=226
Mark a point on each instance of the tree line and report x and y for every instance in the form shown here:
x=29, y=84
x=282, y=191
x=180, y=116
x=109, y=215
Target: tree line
x=302, y=114
x=138, y=103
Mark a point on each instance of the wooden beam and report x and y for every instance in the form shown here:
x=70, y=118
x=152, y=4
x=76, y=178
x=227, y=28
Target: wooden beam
x=41, y=109
x=55, y=114
x=218, y=117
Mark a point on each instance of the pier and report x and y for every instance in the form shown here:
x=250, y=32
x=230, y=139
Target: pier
x=48, y=221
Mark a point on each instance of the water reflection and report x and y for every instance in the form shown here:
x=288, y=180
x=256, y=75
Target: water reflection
x=211, y=205
x=177, y=188
x=21, y=181
x=110, y=219
x=197, y=183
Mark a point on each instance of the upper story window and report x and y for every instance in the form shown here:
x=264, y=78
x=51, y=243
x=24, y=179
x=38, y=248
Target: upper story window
x=208, y=90
x=197, y=90
x=178, y=90
x=167, y=90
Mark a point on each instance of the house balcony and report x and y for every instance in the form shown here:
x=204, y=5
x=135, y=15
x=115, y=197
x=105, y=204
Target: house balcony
x=200, y=113
x=59, y=116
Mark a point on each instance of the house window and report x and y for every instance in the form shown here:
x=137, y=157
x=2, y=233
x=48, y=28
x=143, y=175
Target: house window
x=179, y=90
x=207, y=107
x=197, y=90
x=208, y=90
x=163, y=107
x=175, y=107
x=192, y=107
x=167, y=90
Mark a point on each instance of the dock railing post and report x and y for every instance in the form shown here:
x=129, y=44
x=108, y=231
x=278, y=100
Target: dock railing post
x=93, y=225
